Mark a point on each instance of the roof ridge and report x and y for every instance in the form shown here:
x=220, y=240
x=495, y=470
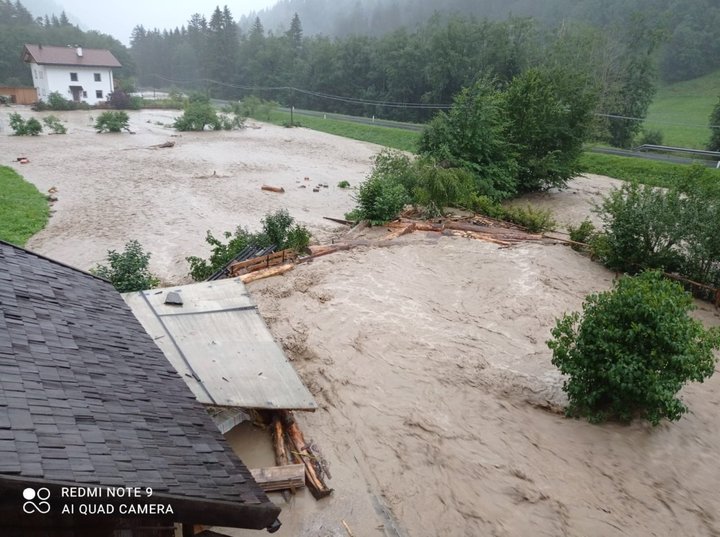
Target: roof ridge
x=55, y=261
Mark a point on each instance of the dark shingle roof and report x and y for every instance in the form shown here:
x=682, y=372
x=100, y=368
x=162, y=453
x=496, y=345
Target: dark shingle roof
x=86, y=397
x=48, y=55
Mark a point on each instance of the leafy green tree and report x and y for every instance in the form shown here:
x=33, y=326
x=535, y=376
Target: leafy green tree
x=473, y=135
x=632, y=350
x=550, y=117
x=129, y=270
x=714, y=144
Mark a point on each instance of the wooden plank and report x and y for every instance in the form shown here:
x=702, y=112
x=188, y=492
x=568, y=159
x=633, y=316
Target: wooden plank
x=269, y=188
x=291, y=476
x=287, y=254
x=281, y=458
x=340, y=221
x=399, y=232
x=265, y=273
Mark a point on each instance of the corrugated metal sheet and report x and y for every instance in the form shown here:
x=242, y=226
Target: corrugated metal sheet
x=221, y=346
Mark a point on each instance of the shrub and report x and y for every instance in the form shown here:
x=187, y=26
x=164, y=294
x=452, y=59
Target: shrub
x=229, y=122
x=632, y=350
x=488, y=207
x=278, y=229
x=643, y=227
x=58, y=102
x=31, y=127
x=437, y=188
x=53, y=123
x=583, y=233
x=426, y=184
x=534, y=220
x=650, y=137
x=701, y=240
x=221, y=254
x=197, y=116
x=112, y=121
x=120, y=100
x=253, y=106
x=380, y=200
x=343, y=184
x=128, y=271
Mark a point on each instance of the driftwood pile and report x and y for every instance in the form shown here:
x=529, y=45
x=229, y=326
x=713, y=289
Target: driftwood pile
x=289, y=445
x=477, y=227
x=244, y=268
x=501, y=235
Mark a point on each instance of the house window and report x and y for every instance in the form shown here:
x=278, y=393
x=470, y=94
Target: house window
x=98, y=94
x=40, y=75
x=73, y=77
x=84, y=93
x=97, y=77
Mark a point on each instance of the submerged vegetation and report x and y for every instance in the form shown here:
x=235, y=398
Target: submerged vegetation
x=278, y=229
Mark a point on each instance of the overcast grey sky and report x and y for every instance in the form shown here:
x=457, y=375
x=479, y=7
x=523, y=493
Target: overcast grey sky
x=119, y=18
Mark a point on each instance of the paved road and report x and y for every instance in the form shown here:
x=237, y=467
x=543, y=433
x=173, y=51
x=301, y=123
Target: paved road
x=653, y=156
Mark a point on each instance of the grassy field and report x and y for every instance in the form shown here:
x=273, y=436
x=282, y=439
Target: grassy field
x=23, y=209
x=389, y=137
x=681, y=111
x=649, y=172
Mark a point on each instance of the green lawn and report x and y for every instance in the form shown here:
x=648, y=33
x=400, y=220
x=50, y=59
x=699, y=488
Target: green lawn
x=681, y=111
x=23, y=209
x=649, y=172
x=389, y=137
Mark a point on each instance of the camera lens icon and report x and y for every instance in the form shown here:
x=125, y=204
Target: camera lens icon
x=39, y=506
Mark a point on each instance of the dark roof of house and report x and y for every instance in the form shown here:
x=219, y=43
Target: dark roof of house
x=87, y=398
x=91, y=57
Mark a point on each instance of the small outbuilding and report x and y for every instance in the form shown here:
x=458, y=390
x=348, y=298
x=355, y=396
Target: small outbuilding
x=78, y=74
x=99, y=435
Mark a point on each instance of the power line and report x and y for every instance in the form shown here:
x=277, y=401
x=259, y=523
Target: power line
x=393, y=104
x=350, y=100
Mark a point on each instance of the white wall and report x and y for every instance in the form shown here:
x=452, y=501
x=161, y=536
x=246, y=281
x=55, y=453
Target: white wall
x=49, y=78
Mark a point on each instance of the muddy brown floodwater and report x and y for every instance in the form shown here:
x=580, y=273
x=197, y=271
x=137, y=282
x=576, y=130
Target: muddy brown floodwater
x=438, y=399
x=113, y=187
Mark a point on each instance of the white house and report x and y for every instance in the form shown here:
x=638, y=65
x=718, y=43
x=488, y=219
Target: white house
x=77, y=74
